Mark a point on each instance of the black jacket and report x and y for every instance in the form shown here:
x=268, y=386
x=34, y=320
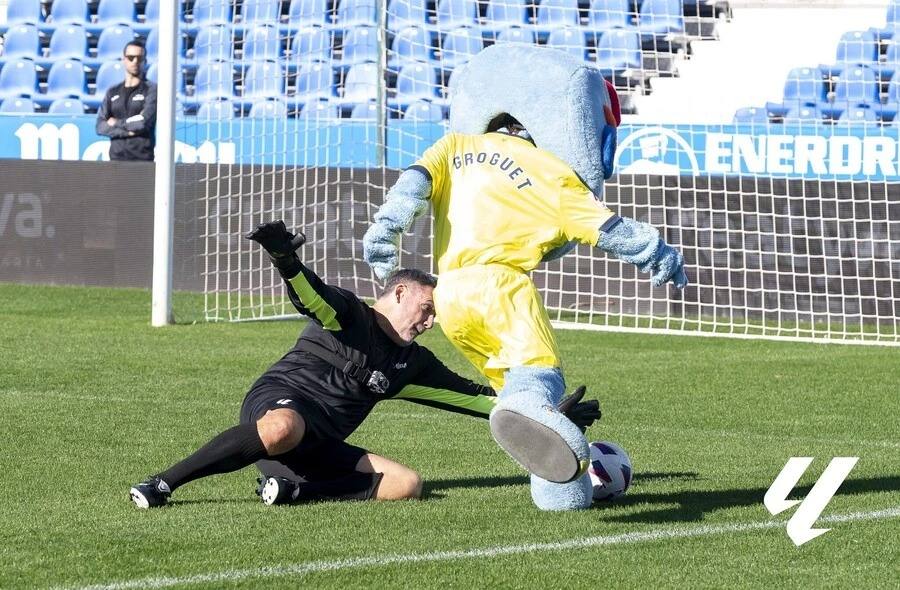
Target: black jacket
x=135, y=112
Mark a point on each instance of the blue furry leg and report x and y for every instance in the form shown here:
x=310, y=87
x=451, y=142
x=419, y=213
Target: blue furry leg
x=528, y=426
x=575, y=495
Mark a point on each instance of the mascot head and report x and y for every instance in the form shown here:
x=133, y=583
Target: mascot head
x=562, y=103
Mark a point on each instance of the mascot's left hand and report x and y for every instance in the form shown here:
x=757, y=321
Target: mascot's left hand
x=380, y=250
x=640, y=244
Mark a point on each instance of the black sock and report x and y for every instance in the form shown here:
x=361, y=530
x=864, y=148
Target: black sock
x=355, y=486
x=231, y=450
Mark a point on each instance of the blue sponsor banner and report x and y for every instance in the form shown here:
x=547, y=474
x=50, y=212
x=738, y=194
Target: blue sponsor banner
x=840, y=152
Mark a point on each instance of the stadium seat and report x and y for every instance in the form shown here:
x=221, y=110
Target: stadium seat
x=212, y=12
x=320, y=110
x=151, y=12
x=263, y=79
x=412, y=44
x=214, y=110
x=315, y=81
x=24, y=11
x=66, y=106
x=361, y=84
x=262, y=42
x=352, y=13
x=22, y=40
x=857, y=85
x=360, y=45
x=310, y=44
x=859, y=115
x=112, y=42
x=661, y=17
x=804, y=114
x=66, y=79
x=153, y=76
x=254, y=12
x=416, y=81
x=751, y=115
x=423, y=110
x=459, y=46
x=516, y=35
x=855, y=47
x=365, y=111
x=891, y=63
x=271, y=108
x=212, y=43
x=406, y=13
x=214, y=80
x=109, y=74
x=69, y=41
x=113, y=12
x=305, y=13
x=69, y=11
x=618, y=51
x=503, y=14
x=18, y=106
x=556, y=14
x=456, y=13
x=570, y=40
x=604, y=15
x=152, y=47
x=18, y=78
x=805, y=84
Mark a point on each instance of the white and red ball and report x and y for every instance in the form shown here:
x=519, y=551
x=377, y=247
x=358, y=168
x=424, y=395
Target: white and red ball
x=610, y=470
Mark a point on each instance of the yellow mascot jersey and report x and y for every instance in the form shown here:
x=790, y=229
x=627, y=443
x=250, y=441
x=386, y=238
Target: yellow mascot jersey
x=507, y=202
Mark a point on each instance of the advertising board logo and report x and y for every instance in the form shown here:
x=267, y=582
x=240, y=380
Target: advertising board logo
x=656, y=151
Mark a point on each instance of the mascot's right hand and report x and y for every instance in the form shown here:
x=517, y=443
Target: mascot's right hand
x=380, y=250
x=640, y=244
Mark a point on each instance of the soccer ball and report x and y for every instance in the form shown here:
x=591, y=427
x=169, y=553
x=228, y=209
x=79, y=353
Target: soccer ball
x=610, y=470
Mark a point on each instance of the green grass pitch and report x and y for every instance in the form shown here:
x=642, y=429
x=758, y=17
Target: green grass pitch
x=94, y=400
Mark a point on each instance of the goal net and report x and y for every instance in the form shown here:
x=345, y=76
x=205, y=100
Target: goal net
x=307, y=110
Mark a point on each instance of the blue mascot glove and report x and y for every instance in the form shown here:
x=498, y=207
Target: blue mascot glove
x=640, y=244
x=380, y=250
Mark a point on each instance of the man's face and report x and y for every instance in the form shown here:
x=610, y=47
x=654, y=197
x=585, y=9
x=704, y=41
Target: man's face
x=133, y=60
x=414, y=310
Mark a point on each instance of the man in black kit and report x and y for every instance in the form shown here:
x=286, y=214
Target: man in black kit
x=127, y=114
x=296, y=417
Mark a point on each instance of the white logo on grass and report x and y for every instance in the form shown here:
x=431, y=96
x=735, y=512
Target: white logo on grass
x=656, y=151
x=283, y=402
x=799, y=527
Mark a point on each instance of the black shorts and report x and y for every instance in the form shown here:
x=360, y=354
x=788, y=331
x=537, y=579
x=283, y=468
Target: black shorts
x=317, y=457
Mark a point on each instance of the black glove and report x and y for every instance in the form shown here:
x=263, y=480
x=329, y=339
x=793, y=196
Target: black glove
x=277, y=240
x=582, y=414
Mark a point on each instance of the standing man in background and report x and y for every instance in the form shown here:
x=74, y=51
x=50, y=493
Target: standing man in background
x=127, y=114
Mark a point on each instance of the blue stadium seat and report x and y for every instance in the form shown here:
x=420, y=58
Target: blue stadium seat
x=69, y=11
x=66, y=106
x=261, y=12
x=570, y=40
x=212, y=12
x=406, y=13
x=751, y=115
x=311, y=44
x=271, y=108
x=619, y=50
x=803, y=87
x=112, y=12
x=153, y=76
x=69, y=40
x=320, y=110
x=365, y=111
x=859, y=115
x=360, y=84
x=18, y=106
x=661, y=17
x=415, y=81
x=216, y=110
x=854, y=47
x=554, y=14
x=263, y=79
x=214, y=80
x=456, y=13
x=604, y=15
x=24, y=11
x=152, y=46
x=360, y=45
x=109, y=74
x=18, y=78
x=459, y=46
x=315, y=81
x=891, y=63
x=410, y=45
x=66, y=79
x=262, y=42
x=857, y=85
x=305, y=13
x=22, y=40
x=423, y=110
x=212, y=43
x=112, y=42
x=503, y=14
x=804, y=114
x=352, y=13
x=516, y=35
x=151, y=12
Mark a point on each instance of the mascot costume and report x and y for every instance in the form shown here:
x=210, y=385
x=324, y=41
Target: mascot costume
x=518, y=181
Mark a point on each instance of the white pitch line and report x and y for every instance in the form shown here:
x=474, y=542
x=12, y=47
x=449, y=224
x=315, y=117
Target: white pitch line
x=888, y=444
x=301, y=569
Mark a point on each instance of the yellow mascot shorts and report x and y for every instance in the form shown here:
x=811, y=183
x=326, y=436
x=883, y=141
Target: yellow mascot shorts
x=494, y=315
